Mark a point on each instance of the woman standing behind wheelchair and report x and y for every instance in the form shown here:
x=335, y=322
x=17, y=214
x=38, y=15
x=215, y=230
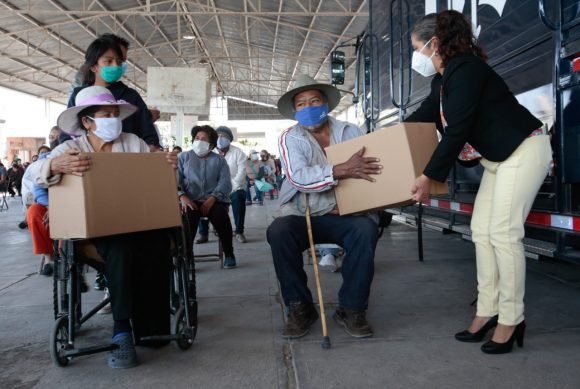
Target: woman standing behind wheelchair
x=137, y=275
x=479, y=118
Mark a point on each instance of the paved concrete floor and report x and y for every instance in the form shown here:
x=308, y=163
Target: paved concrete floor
x=415, y=309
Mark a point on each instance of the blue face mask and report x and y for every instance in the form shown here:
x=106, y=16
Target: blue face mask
x=312, y=116
x=223, y=143
x=111, y=74
x=124, y=67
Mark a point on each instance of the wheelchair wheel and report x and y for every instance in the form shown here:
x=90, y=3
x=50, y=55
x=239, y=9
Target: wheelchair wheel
x=180, y=327
x=59, y=341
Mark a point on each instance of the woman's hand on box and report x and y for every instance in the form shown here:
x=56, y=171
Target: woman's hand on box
x=45, y=219
x=172, y=159
x=71, y=162
x=420, y=188
x=358, y=166
x=185, y=203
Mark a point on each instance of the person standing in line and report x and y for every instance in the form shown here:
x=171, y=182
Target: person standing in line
x=479, y=118
x=236, y=160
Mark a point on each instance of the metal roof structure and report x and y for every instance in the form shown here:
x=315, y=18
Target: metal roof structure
x=254, y=48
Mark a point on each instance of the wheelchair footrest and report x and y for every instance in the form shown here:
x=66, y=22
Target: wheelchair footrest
x=77, y=352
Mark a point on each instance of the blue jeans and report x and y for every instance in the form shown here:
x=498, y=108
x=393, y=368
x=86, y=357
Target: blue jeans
x=238, y=199
x=358, y=236
x=259, y=195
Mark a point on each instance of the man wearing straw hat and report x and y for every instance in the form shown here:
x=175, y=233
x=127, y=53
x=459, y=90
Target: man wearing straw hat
x=311, y=180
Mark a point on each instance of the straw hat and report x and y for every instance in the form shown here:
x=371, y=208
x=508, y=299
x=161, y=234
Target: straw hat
x=68, y=121
x=304, y=82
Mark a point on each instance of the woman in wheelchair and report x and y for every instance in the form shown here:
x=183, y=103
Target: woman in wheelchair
x=135, y=267
x=205, y=187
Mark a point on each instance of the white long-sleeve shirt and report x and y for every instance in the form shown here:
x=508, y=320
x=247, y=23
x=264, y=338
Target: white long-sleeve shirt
x=236, y=160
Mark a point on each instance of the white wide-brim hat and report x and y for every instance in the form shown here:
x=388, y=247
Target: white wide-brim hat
x=303, y=83
x=68, y=121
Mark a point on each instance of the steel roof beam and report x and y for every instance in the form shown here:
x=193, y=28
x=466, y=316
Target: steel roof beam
x=304, y=43
x=78, y=19
x=131, y=35
x=338, y=41
x=200, y=42
x=223, y=39
x=275, y=42
x=53, y=35
x=163, y=34
x=32, y=82
x=95, y=35
x=218, y=12
x=204, y=13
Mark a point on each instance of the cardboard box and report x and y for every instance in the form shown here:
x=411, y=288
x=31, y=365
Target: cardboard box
x=404, y=151
x=120, y=193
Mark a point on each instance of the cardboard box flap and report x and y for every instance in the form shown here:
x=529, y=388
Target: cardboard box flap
x=59, y=199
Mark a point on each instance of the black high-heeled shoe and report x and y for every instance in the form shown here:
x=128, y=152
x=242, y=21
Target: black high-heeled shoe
x=492, y=347
x=473, y=337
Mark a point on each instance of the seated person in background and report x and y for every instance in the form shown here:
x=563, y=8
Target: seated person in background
x=205, y=187
x=15, y=179
x=254, y=171
x=267, y=163
x=177, y=149
x=136, y=264
x=3, y=174
x=310, y=178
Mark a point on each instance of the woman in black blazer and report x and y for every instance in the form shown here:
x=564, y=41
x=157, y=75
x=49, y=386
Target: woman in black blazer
x=480, y=119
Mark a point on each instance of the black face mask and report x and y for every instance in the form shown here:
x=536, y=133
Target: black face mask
x=53, y=144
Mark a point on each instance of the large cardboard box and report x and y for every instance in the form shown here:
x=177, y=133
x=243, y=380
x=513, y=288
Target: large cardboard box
x=120, y=193
x=404, y=151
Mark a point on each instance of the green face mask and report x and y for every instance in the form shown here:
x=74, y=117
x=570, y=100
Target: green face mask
x=111, y=74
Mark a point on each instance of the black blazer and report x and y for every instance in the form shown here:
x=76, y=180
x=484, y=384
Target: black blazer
x=479, y=109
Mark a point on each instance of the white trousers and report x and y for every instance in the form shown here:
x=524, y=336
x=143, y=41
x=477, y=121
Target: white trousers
x=505, y=197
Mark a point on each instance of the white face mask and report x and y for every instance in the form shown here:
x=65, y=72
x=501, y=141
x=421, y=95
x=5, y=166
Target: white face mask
x=201, y=148
x=255, y=157
x=423, y=64
x=223, y=143
x=108, y=129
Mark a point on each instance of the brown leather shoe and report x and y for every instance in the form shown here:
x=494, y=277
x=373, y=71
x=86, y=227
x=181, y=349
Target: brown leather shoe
x=354, y=322
x=301, y=315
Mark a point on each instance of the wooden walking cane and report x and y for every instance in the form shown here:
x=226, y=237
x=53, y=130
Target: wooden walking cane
x=325, y=338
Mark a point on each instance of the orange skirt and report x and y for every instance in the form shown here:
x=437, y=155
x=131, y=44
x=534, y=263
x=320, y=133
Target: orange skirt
x=41, y=242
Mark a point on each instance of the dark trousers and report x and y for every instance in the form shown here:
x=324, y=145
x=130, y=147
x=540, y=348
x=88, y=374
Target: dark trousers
x=238, y=199
x=137, y=273
x=15, y=185
x=218, y=216
x=288, y=238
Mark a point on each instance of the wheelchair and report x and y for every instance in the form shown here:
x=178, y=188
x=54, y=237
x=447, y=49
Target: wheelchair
x=73, y=255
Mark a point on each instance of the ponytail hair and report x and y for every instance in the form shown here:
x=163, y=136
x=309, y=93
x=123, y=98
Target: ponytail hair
x=456, y=37
x=453, y=32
